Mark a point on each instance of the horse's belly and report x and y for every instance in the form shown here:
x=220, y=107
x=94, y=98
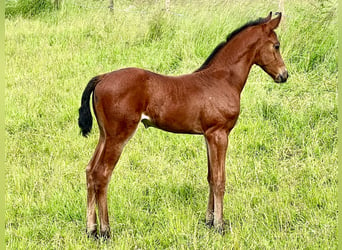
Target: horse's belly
x=175, y=124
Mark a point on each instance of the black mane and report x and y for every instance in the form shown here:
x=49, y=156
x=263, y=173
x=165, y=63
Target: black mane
x=230, y=37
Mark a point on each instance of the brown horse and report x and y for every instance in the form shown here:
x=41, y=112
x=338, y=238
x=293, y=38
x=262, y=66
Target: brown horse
x=205, y=102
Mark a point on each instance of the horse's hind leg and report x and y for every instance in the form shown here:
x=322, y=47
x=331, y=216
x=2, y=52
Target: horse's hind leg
x=114, y=142
x=91, y=199
x=111, y=153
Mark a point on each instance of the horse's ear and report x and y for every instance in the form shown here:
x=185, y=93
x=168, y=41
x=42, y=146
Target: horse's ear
x=274, y=23
x=268, y=18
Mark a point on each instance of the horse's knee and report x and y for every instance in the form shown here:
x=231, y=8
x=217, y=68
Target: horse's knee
x=89, y=177
x=219, y=187
x=99, y=178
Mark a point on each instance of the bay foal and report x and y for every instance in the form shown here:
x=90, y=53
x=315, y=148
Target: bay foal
x=205, y=102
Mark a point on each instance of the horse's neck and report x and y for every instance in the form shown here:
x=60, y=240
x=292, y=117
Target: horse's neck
x=236, y=63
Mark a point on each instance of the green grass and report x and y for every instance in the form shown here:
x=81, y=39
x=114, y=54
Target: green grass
x=282, y=158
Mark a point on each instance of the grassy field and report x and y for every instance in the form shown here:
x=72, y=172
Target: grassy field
x=282, y=158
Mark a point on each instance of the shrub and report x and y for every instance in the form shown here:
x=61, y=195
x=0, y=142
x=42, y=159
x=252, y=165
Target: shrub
x=27, y=8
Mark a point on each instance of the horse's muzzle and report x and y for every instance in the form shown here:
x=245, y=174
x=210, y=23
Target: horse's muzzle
x=282, y=77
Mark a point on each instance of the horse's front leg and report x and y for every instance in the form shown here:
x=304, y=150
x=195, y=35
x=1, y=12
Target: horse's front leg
x=217, y=141
x=209, y=217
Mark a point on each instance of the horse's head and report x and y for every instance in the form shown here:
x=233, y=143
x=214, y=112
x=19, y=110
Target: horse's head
x=268, y=55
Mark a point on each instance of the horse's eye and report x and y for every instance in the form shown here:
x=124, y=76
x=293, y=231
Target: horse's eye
x=277, y=46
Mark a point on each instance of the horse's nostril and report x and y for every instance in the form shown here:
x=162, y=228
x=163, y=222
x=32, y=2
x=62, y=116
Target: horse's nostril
x=281, y=77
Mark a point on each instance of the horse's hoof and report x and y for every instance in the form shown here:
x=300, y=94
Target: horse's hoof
x=92, y=234
x=220, y=227
x=209, y=223
x=105, y=235
x=209, y=219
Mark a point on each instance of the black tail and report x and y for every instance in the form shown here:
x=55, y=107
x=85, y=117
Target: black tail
x=85, y=119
